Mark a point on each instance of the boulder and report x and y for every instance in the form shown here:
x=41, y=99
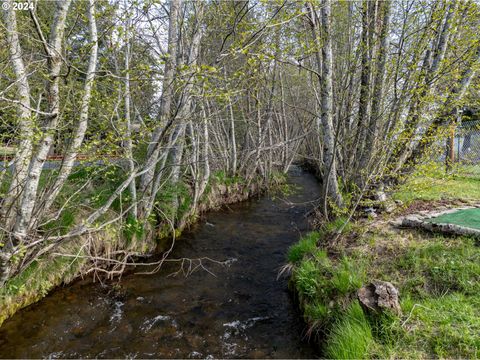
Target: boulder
x=379, y=297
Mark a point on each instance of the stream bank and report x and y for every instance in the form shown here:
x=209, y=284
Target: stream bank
x=73, y=260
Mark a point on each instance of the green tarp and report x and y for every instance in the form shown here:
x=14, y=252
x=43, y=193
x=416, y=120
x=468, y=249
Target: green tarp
x=467, y=218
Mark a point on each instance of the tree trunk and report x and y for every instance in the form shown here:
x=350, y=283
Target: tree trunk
x=366, y=48
x=74, y=147
x=378, y=92
x=146, y=182
x=128, y=142
x=25, y=121
x=331, y=191
x=30, y=190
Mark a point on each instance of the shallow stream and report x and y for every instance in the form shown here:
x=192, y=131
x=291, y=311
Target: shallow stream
x=235, y=310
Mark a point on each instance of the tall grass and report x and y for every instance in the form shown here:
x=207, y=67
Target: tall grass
x=351, y=335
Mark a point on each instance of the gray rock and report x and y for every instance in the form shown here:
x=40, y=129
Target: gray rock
x=378, y=297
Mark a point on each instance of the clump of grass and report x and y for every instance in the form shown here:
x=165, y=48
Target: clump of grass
x=347, y=277
x=324, y=286
x=306, y=245
x=307, y=279
x=318, y=275
x=351, y=335
x=316, y=312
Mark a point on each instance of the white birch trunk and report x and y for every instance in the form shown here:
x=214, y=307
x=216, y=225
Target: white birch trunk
x=73, y=149
x=30, y=190
x=146, y=183
x=128, y=142
x=25, y=119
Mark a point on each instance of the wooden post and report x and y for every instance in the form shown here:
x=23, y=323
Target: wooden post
x=450, y=153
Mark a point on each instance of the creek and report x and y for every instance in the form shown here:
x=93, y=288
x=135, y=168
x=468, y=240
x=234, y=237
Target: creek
x=238, y=309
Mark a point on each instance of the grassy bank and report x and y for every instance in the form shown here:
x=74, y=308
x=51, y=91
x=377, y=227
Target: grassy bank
x=438, y=278
x=73, y=258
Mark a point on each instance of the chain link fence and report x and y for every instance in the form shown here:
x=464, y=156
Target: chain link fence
x=466, y=144
x=464, y=155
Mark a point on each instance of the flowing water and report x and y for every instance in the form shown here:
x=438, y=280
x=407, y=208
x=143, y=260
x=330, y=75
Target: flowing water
x=238, y=309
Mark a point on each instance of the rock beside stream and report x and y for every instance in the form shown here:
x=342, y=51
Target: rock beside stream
x=378, y=297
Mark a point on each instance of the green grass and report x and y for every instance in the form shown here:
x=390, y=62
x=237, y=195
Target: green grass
x=316, y=312
x=351, y=335
x=472, y=170
x=220, y=177
x=340, y=224
x=444, y=327
x=38, y=278
x=307, y=279
x=438, y=279
x=63, y=224
x=439, y=283
x=317, y=277
x=445, y=265
x=306, y=245
x=430, y=182
x=323, y=285
x=347, y=277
